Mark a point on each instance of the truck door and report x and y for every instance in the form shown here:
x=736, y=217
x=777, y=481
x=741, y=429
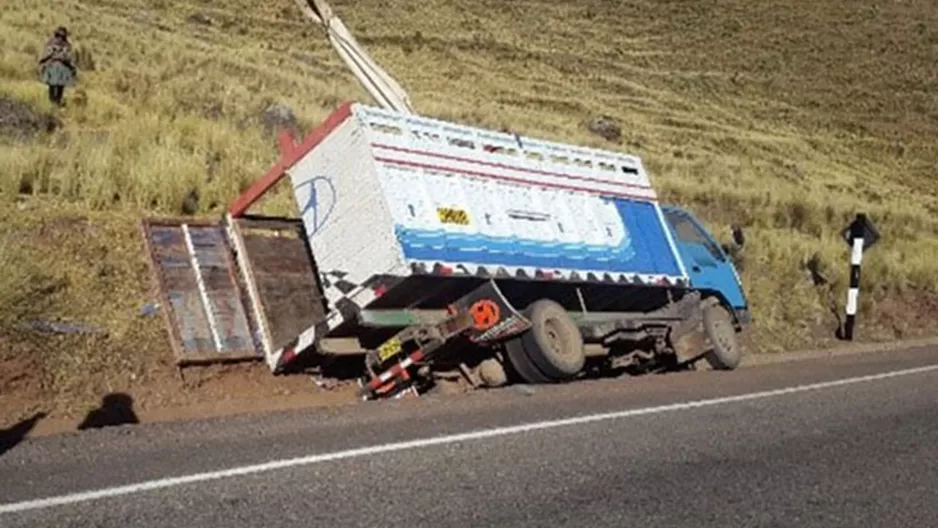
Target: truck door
x=708, y=267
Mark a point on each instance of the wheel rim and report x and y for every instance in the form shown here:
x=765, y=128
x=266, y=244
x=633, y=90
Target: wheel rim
x=555, y=338
x=722, y=337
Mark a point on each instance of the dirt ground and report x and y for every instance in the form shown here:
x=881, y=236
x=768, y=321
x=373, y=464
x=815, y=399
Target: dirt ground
x=73, y=330
x=173, y=394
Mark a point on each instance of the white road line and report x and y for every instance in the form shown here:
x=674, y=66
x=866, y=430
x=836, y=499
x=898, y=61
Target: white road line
x=139, y=487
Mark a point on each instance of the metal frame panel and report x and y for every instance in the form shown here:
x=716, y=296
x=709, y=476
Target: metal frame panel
x=226, y=302
x=278, y=348
x=247, y=275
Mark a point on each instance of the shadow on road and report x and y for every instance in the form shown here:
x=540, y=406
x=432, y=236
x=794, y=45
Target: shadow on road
x=116, y=409
x=9, y=438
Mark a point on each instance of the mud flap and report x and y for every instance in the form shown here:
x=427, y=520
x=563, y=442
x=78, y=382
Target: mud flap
x=493, y=317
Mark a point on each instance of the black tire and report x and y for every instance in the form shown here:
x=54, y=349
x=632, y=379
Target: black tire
x=554, y=344
x=521, y=363
x=724, y=353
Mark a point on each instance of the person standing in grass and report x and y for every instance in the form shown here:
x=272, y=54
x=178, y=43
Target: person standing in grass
x=56, y=67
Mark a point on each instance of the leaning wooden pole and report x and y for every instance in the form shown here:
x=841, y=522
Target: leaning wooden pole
x=379, y=84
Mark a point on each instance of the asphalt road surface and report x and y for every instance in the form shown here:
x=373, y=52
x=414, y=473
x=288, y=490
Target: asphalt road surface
x=848, y=441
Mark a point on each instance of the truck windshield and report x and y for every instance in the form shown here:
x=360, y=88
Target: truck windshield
x=689, y=232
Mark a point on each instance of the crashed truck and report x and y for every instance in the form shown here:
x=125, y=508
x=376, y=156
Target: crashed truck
x=427, y=250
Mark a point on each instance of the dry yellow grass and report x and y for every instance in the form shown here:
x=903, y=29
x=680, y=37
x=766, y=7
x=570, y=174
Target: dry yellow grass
x=787, y=117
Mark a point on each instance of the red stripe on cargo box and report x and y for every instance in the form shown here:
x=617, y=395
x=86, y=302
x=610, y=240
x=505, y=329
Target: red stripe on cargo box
x=514, y=180
x=508, y=167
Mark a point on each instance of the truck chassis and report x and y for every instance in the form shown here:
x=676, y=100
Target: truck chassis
x=487, y=341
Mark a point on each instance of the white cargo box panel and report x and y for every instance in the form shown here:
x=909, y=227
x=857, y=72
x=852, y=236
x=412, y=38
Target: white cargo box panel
x=386, y=193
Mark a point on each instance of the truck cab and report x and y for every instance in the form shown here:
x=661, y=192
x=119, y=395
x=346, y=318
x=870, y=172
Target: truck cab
x=709, y=268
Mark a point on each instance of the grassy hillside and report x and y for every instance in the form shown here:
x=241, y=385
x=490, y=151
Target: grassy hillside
x=786, y=117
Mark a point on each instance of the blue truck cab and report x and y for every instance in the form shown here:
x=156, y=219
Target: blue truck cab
x=709, y=268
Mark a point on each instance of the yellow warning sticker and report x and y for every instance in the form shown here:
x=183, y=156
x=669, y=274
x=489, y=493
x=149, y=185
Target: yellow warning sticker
x=389, y=348
x=452, y=216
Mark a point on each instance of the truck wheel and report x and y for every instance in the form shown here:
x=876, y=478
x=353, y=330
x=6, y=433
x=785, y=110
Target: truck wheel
x=725, y=353
x=553, y=345
x=515, y=350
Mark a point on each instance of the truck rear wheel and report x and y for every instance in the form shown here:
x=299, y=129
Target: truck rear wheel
x=552, y=350
x=724, y=353
x=522, y=364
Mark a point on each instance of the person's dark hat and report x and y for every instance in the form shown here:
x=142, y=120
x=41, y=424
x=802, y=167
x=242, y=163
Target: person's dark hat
x=61, y=32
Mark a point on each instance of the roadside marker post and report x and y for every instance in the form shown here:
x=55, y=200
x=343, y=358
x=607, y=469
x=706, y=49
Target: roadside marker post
x=860, y=235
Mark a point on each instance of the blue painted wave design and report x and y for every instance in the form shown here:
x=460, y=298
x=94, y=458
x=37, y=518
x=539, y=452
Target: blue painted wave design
x=643, y=250
x=509, y=251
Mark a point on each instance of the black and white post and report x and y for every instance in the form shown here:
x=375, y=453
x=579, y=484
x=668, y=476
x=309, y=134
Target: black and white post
x=853, y=294
x=860, y=235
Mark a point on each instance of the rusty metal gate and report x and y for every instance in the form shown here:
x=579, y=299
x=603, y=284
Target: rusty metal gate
x=199, y=292
x=281, y=279
x=224, y=305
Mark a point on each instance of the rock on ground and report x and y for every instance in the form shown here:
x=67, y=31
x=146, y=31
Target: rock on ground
x=605, y=127
x=199, y=19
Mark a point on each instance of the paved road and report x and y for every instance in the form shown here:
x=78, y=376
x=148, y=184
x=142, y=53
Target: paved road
x=697, y=449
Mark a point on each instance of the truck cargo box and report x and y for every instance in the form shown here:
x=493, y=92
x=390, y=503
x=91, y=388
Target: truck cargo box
x=387, y=197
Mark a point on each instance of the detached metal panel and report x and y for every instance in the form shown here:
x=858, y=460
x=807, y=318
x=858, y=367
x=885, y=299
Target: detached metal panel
x=281, y=280
x=201, y=299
